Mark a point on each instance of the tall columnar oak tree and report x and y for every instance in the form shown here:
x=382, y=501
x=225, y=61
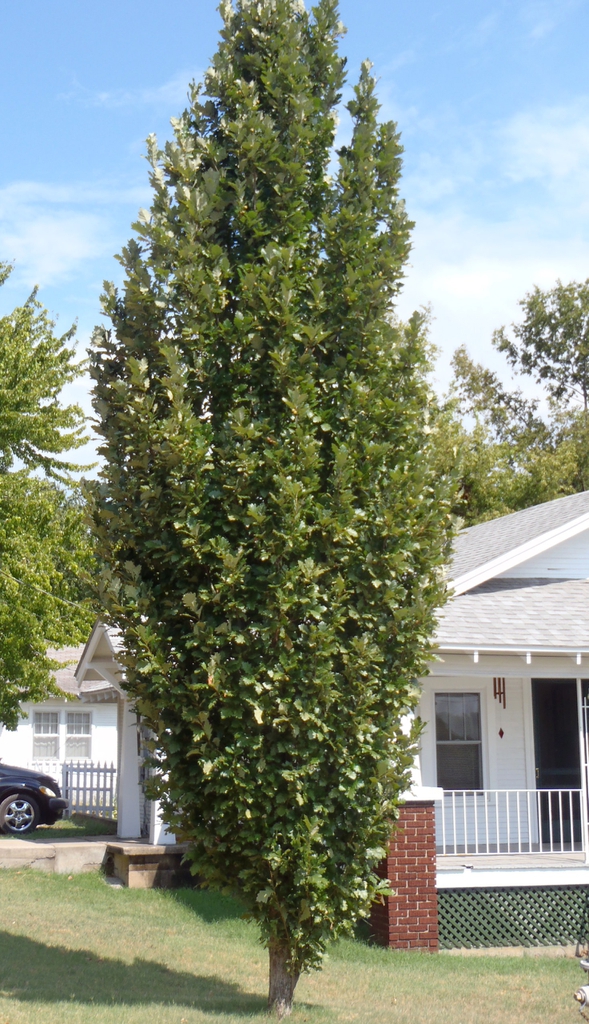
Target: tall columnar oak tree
x=271, y=528
x=44, y=543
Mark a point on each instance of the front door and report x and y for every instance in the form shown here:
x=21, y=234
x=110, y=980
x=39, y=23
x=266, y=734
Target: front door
x=558, y=761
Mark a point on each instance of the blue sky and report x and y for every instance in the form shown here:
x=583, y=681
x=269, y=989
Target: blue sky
x=492, y=100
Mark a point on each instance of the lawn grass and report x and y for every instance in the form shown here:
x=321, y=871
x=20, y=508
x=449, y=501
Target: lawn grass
x=78, y=951
x=76, y=827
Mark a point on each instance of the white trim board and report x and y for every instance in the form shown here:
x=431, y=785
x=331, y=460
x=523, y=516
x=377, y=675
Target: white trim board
x=510, y=878
x=540, y=665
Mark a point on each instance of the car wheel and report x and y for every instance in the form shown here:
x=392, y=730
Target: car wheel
x=19, y=815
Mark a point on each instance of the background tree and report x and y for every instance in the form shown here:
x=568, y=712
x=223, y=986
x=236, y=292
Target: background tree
x=552, y=342
x=270, y=522
x=507, y=453
x=44, y=544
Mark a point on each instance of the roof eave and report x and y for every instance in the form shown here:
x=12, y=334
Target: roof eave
x=519, y=650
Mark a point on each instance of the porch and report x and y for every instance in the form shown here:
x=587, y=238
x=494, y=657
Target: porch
x=507, y=750
x=494, y=839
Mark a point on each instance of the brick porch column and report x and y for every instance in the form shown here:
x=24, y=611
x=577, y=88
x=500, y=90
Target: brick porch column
x=409, y=919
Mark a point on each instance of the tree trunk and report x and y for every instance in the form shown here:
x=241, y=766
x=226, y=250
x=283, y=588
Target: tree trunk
x=282, y=983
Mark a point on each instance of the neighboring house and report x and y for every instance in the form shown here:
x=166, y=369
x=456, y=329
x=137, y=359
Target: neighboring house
x=99, y=670
x=493, y=848
x=79, y=725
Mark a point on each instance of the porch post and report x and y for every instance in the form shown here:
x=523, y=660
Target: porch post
x=128, y=791
x=158, y=830
x=583, y=741
x=409, y=918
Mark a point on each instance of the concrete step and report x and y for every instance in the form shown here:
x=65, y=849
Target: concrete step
x=136, y=864
x=143, y=866
x=64, y=857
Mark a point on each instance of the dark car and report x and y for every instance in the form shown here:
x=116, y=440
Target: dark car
x=27, y=799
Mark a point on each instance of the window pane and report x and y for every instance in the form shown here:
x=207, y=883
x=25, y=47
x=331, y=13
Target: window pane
x=458, y=716
x=76, y=747
x=442, y=720
x=78, y=723
x=46, y=747
x=46, y=723
x=456, y=709
x=459, y=766
x=472, y=716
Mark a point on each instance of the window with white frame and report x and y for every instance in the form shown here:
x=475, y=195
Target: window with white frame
x=46, y=735
x=458, y=741
x=78, y=736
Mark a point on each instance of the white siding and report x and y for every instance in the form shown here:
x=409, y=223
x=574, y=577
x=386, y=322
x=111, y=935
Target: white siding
x=17, y=747
x=569, y=560
x=104, y=731
x=511, y=770
x=507, y=760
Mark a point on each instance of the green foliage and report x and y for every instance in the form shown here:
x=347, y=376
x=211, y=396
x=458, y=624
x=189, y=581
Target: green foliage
x=34, y=367
x=44, y=545
x=271, y=524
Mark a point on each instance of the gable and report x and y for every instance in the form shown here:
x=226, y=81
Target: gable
x=567, y=560
x=491, y=549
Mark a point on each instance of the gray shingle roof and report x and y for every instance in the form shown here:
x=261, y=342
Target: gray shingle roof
x=476, y=546
x=529, y=613
x=64, y=677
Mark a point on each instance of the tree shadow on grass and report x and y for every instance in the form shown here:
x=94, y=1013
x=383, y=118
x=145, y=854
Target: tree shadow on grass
x=32, y=971
x=209, y=905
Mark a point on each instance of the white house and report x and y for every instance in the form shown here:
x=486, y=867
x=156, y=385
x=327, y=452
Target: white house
x=504, y=751
x=506, y=702
x=80, y=725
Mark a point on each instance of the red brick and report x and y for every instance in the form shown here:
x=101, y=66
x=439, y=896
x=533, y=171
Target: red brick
x=409, y=920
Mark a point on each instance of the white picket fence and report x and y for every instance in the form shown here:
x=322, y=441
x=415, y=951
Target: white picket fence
x=89, y=788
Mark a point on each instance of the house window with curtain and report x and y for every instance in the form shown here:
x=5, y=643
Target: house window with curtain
x=46, y=735
x=78, y=738
x=458, y=741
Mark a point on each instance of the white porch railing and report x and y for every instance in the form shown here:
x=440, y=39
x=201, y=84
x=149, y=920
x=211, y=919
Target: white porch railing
x=89, y=788
x=510, y=821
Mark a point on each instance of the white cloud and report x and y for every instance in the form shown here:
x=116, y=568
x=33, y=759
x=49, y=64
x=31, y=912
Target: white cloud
x=543, y=16
x=171, y=95
x=483, y=29
x=27, y=193
x=46, y=248
x=49, y=230
x=400, y=60
x=474, y=272
x=499, y=208
x=550, y=145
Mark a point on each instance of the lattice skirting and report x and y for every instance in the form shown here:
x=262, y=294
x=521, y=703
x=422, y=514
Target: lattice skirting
x=543, y=916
